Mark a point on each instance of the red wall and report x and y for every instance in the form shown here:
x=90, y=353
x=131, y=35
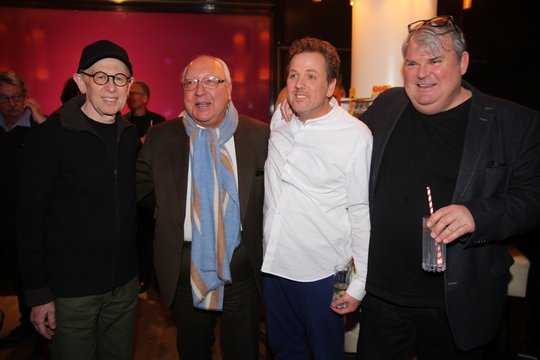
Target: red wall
x=43, y=47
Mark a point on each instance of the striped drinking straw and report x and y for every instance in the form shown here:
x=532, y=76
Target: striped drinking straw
x=439, y=250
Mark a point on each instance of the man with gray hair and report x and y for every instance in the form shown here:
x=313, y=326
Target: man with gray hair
x=208, y=239
x=480, y=157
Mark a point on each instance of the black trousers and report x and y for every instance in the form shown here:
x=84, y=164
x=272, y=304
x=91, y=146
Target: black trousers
x=10, y=260
x=389, y=331
x=238, y=322
x=145, y=244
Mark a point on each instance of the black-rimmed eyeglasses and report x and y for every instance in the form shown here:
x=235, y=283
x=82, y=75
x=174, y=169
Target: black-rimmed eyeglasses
x=17, y=98
x=436, y=22
x=102, y=78
x=209, y=82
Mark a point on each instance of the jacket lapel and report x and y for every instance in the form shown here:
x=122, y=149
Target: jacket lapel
x=180, y=165
x=244, y=162
x=476, y=135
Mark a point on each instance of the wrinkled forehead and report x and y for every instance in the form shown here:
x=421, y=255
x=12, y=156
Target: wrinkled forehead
x=204, y=66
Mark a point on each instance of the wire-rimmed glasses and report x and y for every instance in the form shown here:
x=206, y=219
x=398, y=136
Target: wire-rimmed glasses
x=435, y=22
x=208, y=82
x=102, y=78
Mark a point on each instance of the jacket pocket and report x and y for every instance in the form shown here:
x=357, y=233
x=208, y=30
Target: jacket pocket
x=495, y=179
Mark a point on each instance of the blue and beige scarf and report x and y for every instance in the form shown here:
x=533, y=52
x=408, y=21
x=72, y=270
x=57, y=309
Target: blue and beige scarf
x=215, y=209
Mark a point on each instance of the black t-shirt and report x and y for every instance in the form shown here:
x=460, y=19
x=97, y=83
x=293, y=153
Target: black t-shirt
x=423, y=150
x=109, y=135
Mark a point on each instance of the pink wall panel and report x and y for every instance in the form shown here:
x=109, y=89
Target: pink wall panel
x=43, y=47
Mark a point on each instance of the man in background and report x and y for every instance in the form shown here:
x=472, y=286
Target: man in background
x=76, y=218
x=69, y=90
x=206, y=169
x=143, y=119
x=19, y=114
x=139, y=115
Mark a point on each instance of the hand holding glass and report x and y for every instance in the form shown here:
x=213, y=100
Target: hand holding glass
x=433, y=253
x=341, y=283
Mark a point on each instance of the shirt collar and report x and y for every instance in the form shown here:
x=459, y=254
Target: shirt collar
x=24, y=121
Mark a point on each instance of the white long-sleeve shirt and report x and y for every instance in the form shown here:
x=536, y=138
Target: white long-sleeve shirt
x=316, y=212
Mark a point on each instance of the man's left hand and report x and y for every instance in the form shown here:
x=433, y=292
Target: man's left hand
x=345, y=304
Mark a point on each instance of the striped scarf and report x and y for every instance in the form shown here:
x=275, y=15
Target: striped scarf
x=215, y=209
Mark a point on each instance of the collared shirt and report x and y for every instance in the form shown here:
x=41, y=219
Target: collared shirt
x=23, y=121
x=229, y=145
x=316, y=212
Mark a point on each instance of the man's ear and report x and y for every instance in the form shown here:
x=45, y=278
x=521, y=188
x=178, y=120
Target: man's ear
x=331, y=88
x=80, y=83
x=464, y=62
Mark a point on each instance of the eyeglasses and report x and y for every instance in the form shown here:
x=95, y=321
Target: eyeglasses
x=102, y=78
x=16, y=98
x=208, y=82
x=436, y=22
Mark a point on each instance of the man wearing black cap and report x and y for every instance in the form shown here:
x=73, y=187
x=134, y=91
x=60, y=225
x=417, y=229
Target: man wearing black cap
x=76, y=223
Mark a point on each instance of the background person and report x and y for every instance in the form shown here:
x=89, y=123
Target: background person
x=176, y=158
x=480, y=155
x=139, y=115
x=19, y=114
x=76, y=225
x=528, y=244
x=69, y=90
x=143, y=119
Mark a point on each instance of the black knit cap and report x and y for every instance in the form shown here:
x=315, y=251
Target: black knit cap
x=100, y=50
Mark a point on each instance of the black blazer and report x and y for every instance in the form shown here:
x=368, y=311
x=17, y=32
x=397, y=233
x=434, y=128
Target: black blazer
x=162, y=168
x=499, y=182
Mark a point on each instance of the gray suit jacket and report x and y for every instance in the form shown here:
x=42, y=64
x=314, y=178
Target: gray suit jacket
x=499, y=182
x=162, y=170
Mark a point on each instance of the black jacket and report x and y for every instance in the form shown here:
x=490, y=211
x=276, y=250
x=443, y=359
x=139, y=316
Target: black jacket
x=76, y=220
x=499, y=182
x=11, y=147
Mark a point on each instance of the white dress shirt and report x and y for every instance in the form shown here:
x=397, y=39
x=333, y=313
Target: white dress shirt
x=316, y=212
